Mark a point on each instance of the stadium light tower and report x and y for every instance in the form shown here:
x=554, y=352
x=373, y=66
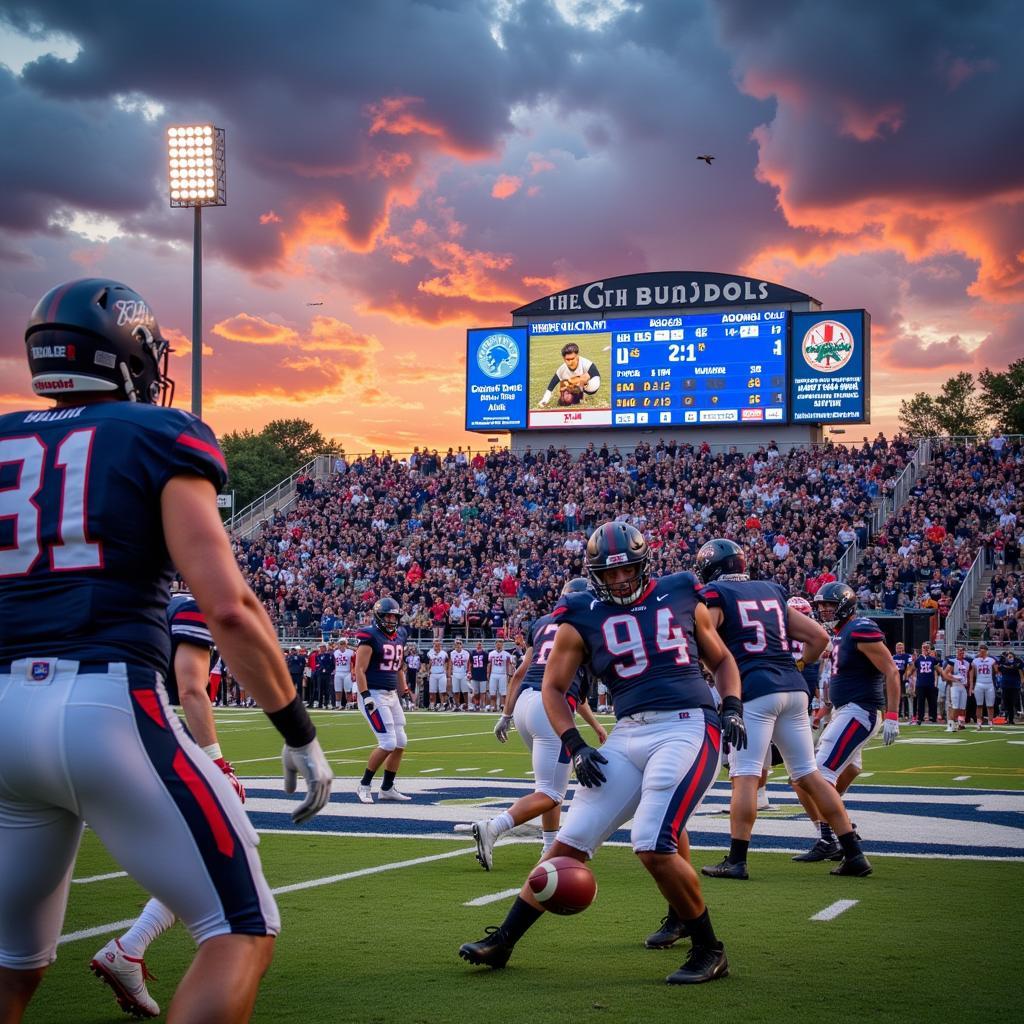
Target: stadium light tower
x=196, y=177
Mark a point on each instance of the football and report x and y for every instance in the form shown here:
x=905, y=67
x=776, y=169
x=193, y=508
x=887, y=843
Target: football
x=563, y=885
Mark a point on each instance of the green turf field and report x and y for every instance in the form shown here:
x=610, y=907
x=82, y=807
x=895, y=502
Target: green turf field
x=546, y=357
x=381, y=946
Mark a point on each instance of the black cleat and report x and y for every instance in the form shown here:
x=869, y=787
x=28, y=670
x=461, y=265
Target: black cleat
x=822, y=851
x=490, y=951
x=705, y=963
x=854, y=867
x=727, y=869
x=670, y=932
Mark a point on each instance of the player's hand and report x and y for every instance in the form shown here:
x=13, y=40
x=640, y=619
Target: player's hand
x=501, y=728
x=890, y=730
x=734, y=732
x=585, y=763
x=543, y=402
x=602, y=734
x=819, y=714
x=311, y=763
x=369, y=705
x=236, y=782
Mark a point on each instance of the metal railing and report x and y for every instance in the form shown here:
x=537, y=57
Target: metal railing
x=960, y=609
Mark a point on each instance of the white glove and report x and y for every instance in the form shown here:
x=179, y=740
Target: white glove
x=502, y=727
x=890, y=730
x=311, y=763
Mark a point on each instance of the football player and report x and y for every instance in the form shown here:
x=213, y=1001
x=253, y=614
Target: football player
x=645, y=637
x=412, y=671
x=380, y=675
x=983, y=686
x=459, y=660
x=121, y=962
x=955, y=672
x=343, y=681
x=500, y=664
x=902, y=662
x=550, y=759
x=864, y=688
x=758, y=626
x=576, y=377
x=102, y=494
x=923, y=670
x=437, y=682
x=477, y=676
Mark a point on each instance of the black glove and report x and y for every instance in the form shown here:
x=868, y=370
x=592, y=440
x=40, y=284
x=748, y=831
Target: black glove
x=734, y=732
x=585, y=759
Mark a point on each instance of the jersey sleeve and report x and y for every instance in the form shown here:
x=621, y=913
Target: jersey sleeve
x=865, y=631
x=186, y=446
x=188, y=625
x=710, y=595
x=364, y=638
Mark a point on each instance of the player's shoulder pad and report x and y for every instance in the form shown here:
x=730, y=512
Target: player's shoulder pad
x=365, y=634
x=864, y=629
x=681, y=581
x=572, y=605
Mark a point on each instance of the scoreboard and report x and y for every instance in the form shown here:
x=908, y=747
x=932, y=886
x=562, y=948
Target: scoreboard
x=751, y=367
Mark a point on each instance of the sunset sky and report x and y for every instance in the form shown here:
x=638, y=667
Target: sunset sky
x=422, y=167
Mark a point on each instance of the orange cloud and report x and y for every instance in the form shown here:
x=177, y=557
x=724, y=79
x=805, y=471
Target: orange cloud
x=405, y=115
x=269, y=218
x=181, y=345
x=507, y=185
x=254, y=330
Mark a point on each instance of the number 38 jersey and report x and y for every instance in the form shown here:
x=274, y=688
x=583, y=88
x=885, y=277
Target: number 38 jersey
x=542, y=639
x=754, y=629
x=84, y=570
x=387, y=654
x=645, y=652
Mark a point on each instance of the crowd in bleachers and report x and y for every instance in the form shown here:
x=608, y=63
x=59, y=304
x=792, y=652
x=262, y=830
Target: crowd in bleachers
x=479, y=544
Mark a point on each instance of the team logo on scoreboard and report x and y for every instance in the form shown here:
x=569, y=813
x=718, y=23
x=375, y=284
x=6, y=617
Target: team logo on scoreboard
x=498, y=355
x=827, y=346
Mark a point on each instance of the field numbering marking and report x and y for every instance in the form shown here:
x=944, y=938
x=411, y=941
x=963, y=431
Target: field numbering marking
x=833, y=910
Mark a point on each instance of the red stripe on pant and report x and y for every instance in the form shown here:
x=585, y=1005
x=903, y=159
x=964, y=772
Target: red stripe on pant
x=835, y=759
x=712, y=739
x=197, y=786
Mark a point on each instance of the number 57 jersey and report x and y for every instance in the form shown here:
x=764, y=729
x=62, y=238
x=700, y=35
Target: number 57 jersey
x=84, y=569
x=645, y=652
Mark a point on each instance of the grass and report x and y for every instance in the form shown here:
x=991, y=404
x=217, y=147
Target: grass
x=924, y=933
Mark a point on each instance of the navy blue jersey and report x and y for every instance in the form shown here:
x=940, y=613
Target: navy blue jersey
x=902, y=661
x=926, y=666
x=84, y=569
x=188, y=626
x=754, y=629
x=855, y=680
x=645, y=653
x=812, y=673
x=1009, y=673
x=543, y=639
x=387, y=654
x=478, y=666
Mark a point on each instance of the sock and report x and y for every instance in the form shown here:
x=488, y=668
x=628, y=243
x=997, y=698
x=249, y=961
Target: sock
x=154, y=920
x=850, y=844
x=502, y=823
x=701, y=931
x=389, y=780
x=520, y=918
x=738, y=850
x=827, y=835
x=367, y=777
x=549, y=839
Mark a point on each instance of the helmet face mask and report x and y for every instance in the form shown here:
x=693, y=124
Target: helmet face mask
x=835, y=603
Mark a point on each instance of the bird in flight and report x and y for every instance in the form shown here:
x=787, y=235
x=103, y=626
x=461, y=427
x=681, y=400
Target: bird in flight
x=314, y=303
x=706, y=157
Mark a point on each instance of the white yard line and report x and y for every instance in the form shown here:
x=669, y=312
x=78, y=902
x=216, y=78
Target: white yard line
x=495, y=771
x=833, y=910
x=99, y=878
x=430, y=771
x=467, y=769
x=313, y=883
x=865, y=775
x=482, y=901
x=960, y=778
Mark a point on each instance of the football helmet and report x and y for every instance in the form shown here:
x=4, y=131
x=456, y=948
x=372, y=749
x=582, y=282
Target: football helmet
x=97, y=336
x=386, y=613
x=800, y=604
x=576, y=585
x=718, y=558
x=612, y=546
x=835, y=603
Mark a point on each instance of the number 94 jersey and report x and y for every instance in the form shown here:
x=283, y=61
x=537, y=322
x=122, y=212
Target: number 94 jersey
x=386, y=656
x=645, y=652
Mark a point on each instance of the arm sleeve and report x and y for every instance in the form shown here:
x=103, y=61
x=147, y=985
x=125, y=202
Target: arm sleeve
x=865, y=631
x=553, y=383
x=188, y=447
x=188, y=625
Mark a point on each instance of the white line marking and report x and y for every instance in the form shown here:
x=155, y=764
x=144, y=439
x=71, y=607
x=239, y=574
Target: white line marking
x=428, y=771
x=371, y=746
x=467, y=769
x=495, y=771
x=865, y=775
x=961, y=778
x=99, y=878
x=315, y=883
x=482, y=901
x=834, y=910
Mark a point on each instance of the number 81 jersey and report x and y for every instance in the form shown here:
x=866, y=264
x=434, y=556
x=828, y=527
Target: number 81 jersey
x=645, y=652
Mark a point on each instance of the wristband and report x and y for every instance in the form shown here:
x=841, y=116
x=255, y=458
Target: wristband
x=365, y=694
x=573, y=740
x=732, y=704
x=293, y=723
x=213, y=752
x=891, y=716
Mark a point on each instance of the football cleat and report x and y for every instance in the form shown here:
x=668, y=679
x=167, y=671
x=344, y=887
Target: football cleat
x=485, y=836
x=763, y=803
x=853, y=867
x=821, y=851
x=490, y=951
x=126, y=976
x=394, y=793
x=705, y=963
x=364, y=794
x=670, y=932
x=726, y=869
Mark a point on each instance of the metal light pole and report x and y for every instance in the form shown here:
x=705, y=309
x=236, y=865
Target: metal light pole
x=197, y=177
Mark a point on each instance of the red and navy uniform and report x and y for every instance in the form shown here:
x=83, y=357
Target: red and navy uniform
x=387, y=654
x=902, y=663
x=75, y=581
x=855, y=680
x=754, y=629
x=542, y=640
x=645, y=652
x=188, y=626
x=925, y=666
x=478, y=666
